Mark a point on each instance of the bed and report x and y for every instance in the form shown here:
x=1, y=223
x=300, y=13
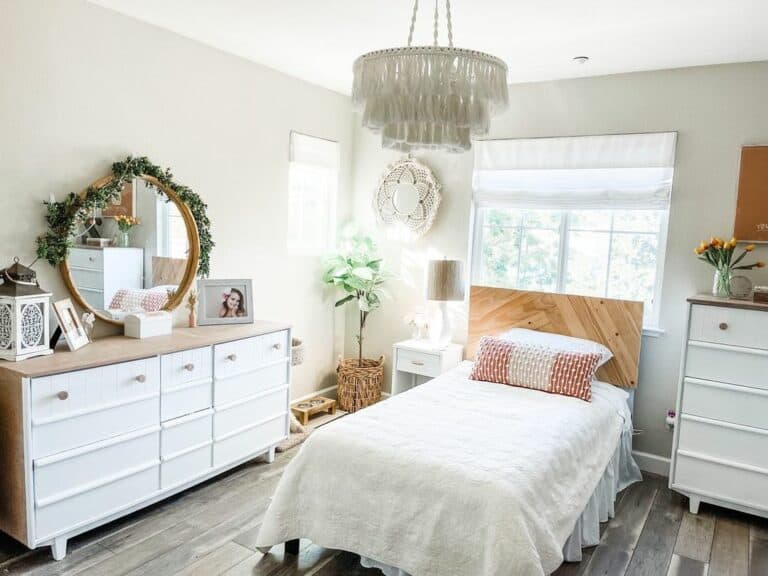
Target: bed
x=459, y=476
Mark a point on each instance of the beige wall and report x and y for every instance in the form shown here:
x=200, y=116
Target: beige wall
x=715, y=109
x=81, y=87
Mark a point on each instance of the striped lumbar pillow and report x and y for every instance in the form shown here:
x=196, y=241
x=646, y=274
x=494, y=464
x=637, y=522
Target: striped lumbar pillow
x=538, y=367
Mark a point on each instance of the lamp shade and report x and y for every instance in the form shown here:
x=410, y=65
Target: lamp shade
x=445, y=280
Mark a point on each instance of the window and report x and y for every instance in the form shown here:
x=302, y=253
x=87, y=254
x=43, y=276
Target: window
x=172, y=241
x=313, y=179
x=581, y=215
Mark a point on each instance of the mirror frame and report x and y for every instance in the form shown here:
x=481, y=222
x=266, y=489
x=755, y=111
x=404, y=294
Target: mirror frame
x=190, y=273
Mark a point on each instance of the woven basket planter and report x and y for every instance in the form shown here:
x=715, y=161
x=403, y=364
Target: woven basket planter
x=359, y=386
x=297, y=352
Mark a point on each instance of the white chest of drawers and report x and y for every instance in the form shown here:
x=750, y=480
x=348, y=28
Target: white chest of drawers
x=720, y=450
x=90, y=436
x=99, y=273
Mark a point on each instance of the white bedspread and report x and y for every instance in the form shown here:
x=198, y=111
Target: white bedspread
x=455, y=477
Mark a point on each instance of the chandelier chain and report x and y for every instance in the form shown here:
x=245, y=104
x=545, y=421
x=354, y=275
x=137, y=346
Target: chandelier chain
x=449, y=23
x=413, y=21
x=437, y=21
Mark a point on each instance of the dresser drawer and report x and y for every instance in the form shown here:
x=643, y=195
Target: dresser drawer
x=187, y=367
x=418, y=363
x=104, y=499
x=86, y=258
x=718, y=401
x=69, y=473
x=248, y=442
x=77, y=408
x=186, y=433
x=733, y=326
x=731, y=442
x=742, y=366
x=94, y=298
x=185, y=467
x=246, y=355
x=235, y=387
x=246, y=412
x=744, y=486
x=93, y=279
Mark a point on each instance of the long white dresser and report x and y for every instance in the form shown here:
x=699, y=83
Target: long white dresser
x=92, y=435
x=720, y=451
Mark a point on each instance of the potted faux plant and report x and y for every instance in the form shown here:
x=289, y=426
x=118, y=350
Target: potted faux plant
x=356, y=270
x=719, y=254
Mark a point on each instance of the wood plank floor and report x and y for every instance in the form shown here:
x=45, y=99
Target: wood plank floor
x=211, y=529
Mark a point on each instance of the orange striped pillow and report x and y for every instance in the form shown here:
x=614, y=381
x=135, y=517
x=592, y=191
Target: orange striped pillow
x=536, y=367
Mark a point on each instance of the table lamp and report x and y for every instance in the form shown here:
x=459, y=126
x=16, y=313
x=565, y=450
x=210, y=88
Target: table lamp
x=445, y=283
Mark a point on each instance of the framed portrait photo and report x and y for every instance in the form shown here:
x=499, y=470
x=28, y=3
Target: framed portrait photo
x=225, y=301
x=70, y=324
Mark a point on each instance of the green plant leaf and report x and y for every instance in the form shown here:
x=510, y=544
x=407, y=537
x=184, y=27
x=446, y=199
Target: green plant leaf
x=344, y=300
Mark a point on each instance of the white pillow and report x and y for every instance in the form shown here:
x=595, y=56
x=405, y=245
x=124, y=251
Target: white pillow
x=558, y=342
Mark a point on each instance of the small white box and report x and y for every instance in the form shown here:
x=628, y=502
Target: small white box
x=148, y=324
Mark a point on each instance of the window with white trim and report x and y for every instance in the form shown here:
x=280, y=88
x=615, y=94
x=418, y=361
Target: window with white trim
x=583, y=215
x=313, y=181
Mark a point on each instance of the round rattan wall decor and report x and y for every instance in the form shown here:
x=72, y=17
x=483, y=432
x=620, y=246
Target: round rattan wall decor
x=408, y=197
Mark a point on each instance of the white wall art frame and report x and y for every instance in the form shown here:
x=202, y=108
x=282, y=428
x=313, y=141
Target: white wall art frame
x=408, y=197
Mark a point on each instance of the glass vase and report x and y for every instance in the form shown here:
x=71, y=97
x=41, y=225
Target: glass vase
x=721, y=286
x=123, y=240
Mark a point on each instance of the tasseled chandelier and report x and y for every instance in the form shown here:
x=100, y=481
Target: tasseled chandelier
x=429, y=97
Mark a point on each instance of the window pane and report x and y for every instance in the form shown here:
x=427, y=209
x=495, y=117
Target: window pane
x=633, y=267
x=590, y=220
x=501, y=217
x=587, y=263
x=549, y=219
x=499, y=257
x=637, y=220
x=538, y=260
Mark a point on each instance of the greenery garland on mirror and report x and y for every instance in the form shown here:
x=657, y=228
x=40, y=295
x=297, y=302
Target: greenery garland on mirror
x=62, y=216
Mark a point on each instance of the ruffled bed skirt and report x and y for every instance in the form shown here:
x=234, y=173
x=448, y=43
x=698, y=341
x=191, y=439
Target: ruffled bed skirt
x=622, y=470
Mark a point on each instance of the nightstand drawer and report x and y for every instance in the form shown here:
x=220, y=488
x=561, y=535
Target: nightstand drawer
x=418, y=363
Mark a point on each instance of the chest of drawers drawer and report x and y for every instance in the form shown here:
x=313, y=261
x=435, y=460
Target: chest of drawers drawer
x=233, y=358
x=724, y=402
x=726, y=442
x=86, y=258
x=186, y=448
x=77, y=408
x=186, y=382
x=731, y=326
x=730, y=364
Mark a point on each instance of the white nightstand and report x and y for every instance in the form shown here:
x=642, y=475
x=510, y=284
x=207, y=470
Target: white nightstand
x=416, y=361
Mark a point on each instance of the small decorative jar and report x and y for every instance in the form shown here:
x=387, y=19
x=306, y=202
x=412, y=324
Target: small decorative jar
x=123, y=240
x=721, y=285
x=24, y=314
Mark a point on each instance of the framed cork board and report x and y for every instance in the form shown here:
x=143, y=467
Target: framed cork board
x=124, y=205
x=752, y=206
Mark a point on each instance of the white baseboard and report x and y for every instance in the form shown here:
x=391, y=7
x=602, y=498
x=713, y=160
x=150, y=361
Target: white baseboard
x=329, y=392
x=652, y=463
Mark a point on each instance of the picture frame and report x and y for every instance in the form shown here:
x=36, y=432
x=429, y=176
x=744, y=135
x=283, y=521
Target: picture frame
x=225, y=301
x=125, y=205
x=69, y=322
x=751, y=222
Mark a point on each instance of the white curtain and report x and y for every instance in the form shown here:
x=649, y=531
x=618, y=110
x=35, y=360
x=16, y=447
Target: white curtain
x=625, y=171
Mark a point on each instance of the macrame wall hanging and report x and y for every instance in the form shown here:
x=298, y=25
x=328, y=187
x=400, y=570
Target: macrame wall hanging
x=407, y=198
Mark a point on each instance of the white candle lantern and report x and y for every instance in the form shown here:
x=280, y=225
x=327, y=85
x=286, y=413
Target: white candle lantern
x=24, y=314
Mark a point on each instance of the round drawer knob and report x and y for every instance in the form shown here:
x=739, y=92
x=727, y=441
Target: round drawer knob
x=91, y=259
x=141, y=378
x=189, y=367
x=232, y=357
x=277, y=346
x=63, y=395
x=723, y=326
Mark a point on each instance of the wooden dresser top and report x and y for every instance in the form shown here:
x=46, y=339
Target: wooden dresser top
x=708, y=300
x=122, y=349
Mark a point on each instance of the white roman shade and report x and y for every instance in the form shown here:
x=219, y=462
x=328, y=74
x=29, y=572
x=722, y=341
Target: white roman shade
x=625, y=171
x=313, y=151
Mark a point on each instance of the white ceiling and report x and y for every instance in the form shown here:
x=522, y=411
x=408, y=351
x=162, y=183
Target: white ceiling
x=317, y=40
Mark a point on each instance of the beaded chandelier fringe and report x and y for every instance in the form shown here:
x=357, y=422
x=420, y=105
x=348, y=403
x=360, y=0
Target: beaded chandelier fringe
x=429, y=96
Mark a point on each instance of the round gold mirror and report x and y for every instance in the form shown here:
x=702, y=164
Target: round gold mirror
x=139, y=253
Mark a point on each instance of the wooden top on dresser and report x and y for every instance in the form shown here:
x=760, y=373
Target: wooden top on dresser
x=122, y=349
x=708, y=300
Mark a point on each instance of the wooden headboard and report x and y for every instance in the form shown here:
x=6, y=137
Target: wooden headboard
x=617, y=324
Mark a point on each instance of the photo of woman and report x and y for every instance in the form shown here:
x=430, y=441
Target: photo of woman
x=233, y=304
x=225, y=301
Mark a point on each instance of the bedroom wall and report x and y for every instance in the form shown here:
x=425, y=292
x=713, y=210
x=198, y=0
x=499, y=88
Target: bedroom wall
x=715, y=109
x=81, y=87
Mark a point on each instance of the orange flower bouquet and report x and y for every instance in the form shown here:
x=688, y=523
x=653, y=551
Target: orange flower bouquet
x=124, y=224
x=719, y=254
